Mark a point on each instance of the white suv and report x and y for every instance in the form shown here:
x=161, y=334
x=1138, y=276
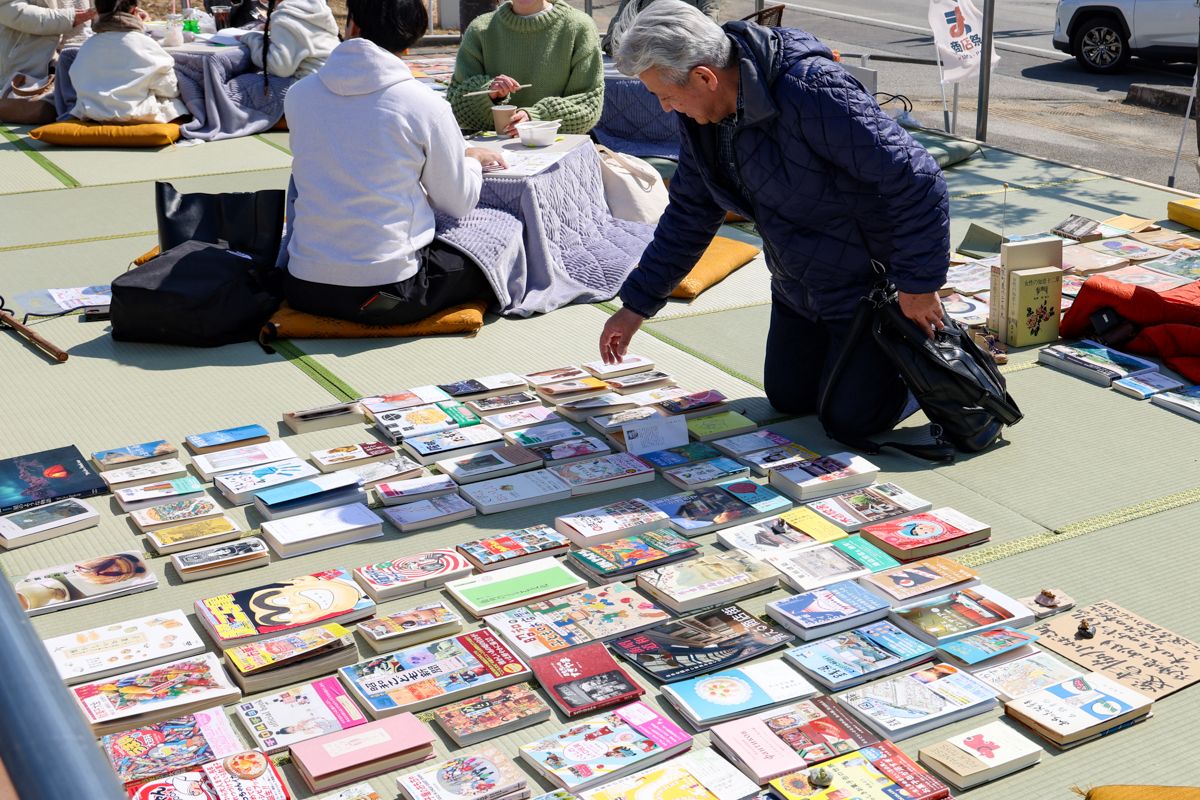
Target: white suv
x=1103, y=35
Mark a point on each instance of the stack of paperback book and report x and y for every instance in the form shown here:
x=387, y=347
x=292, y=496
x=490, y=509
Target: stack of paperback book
x=914, y=702
x=320, y=530
x=1079, y=710
x=221, y=559
x=387, y=580
x=710, y=580
x=731, y=694
x=483, y=774
x=492, y=714
x=278, y=721
x=399, y=629
x=364, y=751
x=293, y=657
x=697, y=775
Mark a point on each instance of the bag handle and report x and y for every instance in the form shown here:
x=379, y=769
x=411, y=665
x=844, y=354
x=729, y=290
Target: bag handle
x=882, y=293
x=645, y=177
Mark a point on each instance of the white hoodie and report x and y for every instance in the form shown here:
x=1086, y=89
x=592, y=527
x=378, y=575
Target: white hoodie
x=303, y=34
x=374, y=152
x=29, y=36
x=125, y=76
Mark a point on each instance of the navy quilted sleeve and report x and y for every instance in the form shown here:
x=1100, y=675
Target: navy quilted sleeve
x=844, y=125
x=684, y=232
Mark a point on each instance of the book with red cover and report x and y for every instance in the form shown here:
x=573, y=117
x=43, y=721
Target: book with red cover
x=584, y=679
x=925, y=534
x=876, y=773
x=362, y=752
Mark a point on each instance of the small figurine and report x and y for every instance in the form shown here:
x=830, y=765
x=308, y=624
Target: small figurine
x=820, y=778
x=1048, y=602
x=990, y=342
x=1086, y=629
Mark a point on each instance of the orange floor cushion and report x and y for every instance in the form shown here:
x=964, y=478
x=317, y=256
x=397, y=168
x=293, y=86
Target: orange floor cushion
x=78, y=133
x=287, y=323
x=1144, y=793
x=722, y=258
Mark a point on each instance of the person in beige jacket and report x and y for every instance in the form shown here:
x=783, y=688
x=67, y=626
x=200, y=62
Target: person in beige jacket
x=121, y=74
x=30, y=32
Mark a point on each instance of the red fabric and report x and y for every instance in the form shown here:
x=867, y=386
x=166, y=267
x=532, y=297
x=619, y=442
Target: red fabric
x=1169, y=322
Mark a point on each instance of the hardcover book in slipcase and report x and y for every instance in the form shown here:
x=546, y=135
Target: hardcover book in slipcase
x=700, y=644
x=249, y=615
x=433, y=674
x=575, y=619
x=40, y=478
x=491, y=715
x=278, y=721
x=584, y=680
x=385, y=580
x=336, y=759
x=603, y=748
x=860, y=655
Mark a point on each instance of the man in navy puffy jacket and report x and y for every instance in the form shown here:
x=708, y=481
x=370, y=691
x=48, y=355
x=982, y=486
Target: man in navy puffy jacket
x=773, y=129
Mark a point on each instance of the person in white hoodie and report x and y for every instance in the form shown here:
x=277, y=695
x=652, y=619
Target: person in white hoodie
x=30, y=33
x=374, y=153
x=303, y=34
x=121, y=74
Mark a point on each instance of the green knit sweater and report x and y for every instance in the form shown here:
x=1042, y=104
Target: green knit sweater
x=557, y=51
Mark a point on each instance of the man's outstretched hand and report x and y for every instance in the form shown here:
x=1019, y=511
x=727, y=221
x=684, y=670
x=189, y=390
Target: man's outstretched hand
x=925, y=310
x=614, y=339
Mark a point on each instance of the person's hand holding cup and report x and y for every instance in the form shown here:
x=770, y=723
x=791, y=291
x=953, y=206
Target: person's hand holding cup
x=521, y=115
x=502, y=86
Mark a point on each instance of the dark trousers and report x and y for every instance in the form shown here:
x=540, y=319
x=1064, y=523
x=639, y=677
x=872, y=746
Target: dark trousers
x=869, y=394
x=446, y=278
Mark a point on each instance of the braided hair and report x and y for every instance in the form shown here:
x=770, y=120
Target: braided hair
x=267, y=47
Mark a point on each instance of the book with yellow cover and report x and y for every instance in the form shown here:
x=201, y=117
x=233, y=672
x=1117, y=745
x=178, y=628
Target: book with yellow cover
x=717, y=426
x=1034, y=305
x=697, y=775
x=872, y=773
x=280, y=650
x=811, y=523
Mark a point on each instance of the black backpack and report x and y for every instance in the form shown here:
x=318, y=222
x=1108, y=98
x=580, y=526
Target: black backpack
x=955, y=382
x=196, y=294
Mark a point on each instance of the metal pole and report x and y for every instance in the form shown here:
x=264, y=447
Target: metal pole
x=954, y=112
x=1187, y=119
x=985, y=70
x=758, y=5
x=587, y=7
x=942, y=84
x=45, y=744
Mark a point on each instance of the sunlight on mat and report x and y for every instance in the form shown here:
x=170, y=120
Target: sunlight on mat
x=20, y=174
x=98, y=166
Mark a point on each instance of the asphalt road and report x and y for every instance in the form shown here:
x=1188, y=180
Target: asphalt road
x=1041, y=102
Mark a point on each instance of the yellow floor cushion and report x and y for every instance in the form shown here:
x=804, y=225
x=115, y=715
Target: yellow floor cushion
x=722, y=258
x=287, y=323
x=78, y=133
x=1144, y=793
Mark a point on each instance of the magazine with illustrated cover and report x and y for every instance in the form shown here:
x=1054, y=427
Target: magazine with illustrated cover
x=958, y=614
x=574, y=619
x=632, y=553
x=122, y=646
x=809, y=614
x=39, y=478
x=852, y=510
x=920, y=578
x=492, y=714
x=278, y=721
x=166, y=747
x=584, y=679
x=914, y=702
x=70, y=585
x=483, y=774
x=883, y=772
x=857, y=656
x=699, y=644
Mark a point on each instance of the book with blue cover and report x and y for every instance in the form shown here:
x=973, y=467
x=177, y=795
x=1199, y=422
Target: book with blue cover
x=762, y=499
x=860, y=655
x=719, y=696
x=989, y=645
x=40, y=478
x=224, y=439
x=827, y=610
x=298, y=497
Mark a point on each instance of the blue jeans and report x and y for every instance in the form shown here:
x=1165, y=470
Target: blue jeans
x=869, y=395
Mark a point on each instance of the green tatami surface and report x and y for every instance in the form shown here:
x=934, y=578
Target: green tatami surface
x=1093, y=492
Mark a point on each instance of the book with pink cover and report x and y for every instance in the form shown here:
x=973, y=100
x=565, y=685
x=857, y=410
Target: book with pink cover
x=376, y=743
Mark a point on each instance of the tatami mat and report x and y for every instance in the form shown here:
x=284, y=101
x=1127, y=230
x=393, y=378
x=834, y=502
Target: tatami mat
x=81, y=264
x=101, y=166
x=735, y=338
x=20, y=174
x=101, y=211
x=749, y=286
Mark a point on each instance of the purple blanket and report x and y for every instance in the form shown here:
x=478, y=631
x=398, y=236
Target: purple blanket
x=222, y=89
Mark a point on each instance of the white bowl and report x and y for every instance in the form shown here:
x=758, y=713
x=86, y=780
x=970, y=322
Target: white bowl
x=537, y=133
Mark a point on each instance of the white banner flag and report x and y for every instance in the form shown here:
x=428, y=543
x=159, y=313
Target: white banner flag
x=958, y=33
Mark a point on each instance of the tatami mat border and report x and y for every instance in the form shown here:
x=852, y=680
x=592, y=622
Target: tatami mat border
x=58, y=172
x=313, y=369
x=107, y=238
x=1026, y=187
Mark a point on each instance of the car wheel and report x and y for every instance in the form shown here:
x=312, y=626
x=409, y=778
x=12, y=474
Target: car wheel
x=1100, y=45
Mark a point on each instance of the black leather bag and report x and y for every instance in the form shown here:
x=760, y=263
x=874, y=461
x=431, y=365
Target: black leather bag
x=955, y=382
x=248, y=222
x=196, y=294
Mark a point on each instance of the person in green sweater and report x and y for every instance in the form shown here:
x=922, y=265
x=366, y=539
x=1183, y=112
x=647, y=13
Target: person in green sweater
x=547, y=44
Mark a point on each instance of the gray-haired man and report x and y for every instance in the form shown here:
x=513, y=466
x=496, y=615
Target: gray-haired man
x=773, y=129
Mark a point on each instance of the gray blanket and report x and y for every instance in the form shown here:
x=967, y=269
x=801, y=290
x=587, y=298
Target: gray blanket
x=223, y=91
x=543, y=242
